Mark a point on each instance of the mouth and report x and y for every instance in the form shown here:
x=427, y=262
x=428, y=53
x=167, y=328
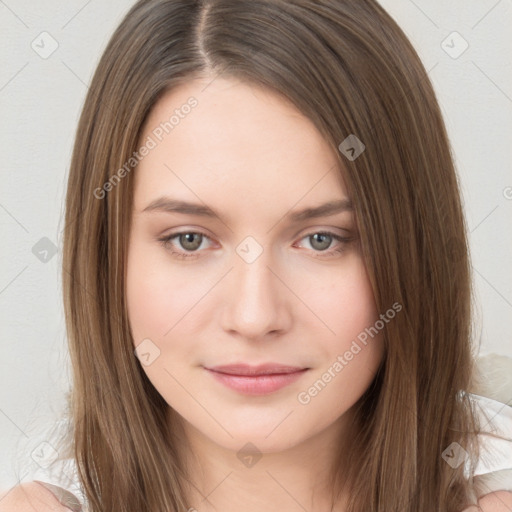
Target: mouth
x=256, y=380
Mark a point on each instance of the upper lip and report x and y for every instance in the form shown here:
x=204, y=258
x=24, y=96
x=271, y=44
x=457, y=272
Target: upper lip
x=262, y=369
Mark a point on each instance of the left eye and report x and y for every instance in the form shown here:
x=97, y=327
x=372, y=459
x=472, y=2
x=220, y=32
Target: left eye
x=323, y=239
x=191, y=241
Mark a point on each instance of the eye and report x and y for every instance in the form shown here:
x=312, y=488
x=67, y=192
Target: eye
x=189, y=240
x=322, y=240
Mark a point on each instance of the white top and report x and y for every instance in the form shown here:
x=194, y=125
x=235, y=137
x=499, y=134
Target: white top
x=496, y=418
x=494, y=468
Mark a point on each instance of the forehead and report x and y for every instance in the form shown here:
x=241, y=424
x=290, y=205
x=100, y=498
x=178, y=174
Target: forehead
x=226, y=141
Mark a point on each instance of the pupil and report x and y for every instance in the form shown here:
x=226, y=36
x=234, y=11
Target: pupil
x=319, y=237
x=189, y=239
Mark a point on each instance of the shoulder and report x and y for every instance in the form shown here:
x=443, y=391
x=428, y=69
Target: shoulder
x=30, y=497
x=498, y=501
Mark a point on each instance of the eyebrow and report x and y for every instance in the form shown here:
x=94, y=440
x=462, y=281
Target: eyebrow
x=169, y=205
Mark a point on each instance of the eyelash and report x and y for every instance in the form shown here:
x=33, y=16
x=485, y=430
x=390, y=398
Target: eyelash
x=166, y=242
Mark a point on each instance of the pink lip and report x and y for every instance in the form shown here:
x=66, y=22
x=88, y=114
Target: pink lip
x=256, y=380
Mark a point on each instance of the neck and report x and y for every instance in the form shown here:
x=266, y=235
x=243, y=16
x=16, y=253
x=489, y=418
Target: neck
x=294, y=478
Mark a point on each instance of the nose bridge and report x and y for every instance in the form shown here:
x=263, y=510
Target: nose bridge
x=254, y=299
x=254, y=276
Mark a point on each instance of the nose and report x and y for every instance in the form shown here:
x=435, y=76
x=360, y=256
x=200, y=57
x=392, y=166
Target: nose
x=256, y=302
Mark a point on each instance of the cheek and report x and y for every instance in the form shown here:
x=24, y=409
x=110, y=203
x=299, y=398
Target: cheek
x=156, y=295
x=158, y=299
x=345, y=304
x=351, y=347
x=336, y=385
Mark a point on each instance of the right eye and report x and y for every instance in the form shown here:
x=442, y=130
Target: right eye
x=190, y=241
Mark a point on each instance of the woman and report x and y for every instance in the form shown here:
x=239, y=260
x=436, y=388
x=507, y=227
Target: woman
x=263, y=303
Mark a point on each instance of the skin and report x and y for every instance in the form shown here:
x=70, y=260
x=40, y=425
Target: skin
x=253, y=157
x=31, y=496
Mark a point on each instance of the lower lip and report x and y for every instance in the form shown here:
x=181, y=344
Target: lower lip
x=258, y=384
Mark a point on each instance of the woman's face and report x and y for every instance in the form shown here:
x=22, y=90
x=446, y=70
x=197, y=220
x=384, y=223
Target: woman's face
x=255, y=284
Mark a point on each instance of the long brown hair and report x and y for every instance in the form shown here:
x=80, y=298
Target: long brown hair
x=350, y=69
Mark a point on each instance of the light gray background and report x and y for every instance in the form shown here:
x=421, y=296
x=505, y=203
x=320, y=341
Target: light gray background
x=41, y=100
